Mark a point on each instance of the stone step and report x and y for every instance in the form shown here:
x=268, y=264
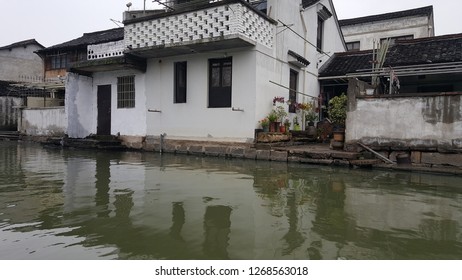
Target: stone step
x=9, y=135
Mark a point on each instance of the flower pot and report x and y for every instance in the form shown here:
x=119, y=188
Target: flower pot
x=282, y=129
x=336, y=145
x=311, y=129
x=297, y=127
x=274, y=127
x=265, y=128
x=339, y=136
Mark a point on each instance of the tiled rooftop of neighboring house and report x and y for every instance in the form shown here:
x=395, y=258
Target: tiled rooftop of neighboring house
x=22, y=44
x=431, y=50
x=97, y=37
x=424, y=11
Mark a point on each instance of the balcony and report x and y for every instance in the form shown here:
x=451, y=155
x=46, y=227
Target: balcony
x=200, y=26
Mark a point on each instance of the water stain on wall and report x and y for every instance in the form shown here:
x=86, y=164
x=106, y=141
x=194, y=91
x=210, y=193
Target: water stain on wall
x=443, y=109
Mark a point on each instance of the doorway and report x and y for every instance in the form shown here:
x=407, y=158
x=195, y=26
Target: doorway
x=104, y=110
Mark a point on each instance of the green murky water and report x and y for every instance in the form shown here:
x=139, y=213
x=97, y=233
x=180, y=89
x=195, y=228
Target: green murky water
x=73, y=204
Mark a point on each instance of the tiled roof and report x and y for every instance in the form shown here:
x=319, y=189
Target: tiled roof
x=307, y=3
x=424, y=11
x=431, y=50
x=22, y=44
x=98, y=37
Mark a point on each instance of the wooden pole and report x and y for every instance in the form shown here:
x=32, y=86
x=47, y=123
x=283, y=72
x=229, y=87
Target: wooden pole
x=376, y=154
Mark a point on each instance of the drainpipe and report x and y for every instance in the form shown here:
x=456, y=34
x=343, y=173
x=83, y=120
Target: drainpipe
x=305, y=30
x=162, y=136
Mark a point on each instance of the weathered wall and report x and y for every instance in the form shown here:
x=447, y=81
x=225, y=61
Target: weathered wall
x=43, y=122
x=8, y=114
x=419, y=122
x=366, y=33
x=80, y=106
x=20, y=62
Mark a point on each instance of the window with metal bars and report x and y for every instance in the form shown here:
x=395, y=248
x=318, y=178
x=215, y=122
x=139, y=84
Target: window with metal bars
x=126, y=92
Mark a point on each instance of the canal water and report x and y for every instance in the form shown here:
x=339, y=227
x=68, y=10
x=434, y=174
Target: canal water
x=87, y=204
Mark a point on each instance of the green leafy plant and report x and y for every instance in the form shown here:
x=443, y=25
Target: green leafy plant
x=264, y=122
x=272, y=116
x=281, y=113
x=311, y=116
x=337, y=109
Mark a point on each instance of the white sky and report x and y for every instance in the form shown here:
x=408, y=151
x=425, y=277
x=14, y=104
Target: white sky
x=51, y=22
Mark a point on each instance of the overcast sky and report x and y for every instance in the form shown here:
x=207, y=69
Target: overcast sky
x=51, y=22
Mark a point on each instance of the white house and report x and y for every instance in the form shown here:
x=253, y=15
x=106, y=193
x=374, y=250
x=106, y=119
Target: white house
x=361, y=32
x=202, y=70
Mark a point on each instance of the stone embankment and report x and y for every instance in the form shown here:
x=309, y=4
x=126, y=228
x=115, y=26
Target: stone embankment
x=294, y=152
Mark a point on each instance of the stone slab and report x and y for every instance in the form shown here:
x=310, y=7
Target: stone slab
x=250, y=154
x=196, y=150
x=278, y=156
x=263, y=155
x=217, y=151
x=442, y=159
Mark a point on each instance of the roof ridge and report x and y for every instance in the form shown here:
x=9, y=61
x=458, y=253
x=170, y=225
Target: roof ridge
x=21, y=43
x=101, y=31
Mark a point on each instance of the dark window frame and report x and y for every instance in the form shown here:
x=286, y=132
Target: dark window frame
x=220, y=82
x=293, y=88
x=355, y=46
x=320, y=34
x=126, y=92
x=180, y=82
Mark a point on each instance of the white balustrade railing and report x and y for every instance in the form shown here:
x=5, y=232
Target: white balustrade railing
x=105, y=50
x=212, y=23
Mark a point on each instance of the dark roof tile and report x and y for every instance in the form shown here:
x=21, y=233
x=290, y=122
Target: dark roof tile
x=98, y=37
x=431, y=50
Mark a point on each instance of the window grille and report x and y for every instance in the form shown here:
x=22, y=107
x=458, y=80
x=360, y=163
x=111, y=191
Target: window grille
x=126, y=92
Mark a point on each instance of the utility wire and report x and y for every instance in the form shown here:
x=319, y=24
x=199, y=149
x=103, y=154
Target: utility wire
x=303, y=38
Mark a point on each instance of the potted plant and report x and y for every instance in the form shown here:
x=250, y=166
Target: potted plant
x=265, y=124
x=310, y=118
x=296, y=124
x=281, y=113
x=272, y=118
x=286, y=125
x=337, y=114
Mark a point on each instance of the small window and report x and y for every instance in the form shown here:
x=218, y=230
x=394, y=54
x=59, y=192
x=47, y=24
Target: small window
x=353, y=46
x=220, y=80
x=126, y=92
x=293, y=82
x=180, y=82
x=320, y=34
x=57, y=61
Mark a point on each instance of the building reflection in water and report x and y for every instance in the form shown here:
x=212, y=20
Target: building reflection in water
x=174, y=207
x=102, y=181
x=217, y=226
x=178, y=220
